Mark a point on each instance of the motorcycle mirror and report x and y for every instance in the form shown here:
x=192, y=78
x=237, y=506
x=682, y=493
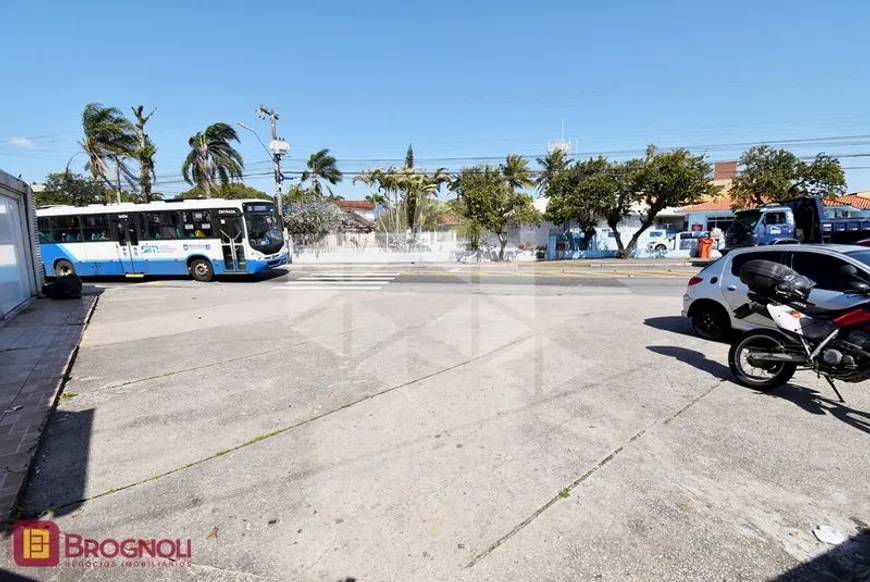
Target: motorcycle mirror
x=859, y=286
x=848, y=272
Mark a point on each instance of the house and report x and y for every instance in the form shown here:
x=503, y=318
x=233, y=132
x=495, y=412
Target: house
x=21, y=275
x=364, y=208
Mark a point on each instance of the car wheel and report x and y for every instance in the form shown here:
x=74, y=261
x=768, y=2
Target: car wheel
x=661, y=247
x=64, y=268
x=711, y=321
x=201, y=270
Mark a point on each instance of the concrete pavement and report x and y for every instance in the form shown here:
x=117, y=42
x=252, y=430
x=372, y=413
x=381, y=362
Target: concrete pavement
x=436, y=431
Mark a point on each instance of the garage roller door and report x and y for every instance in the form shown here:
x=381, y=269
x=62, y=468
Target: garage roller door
x=14, y=274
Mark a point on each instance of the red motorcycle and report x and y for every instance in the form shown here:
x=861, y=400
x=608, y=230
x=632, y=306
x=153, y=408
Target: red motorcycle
x=835, y=344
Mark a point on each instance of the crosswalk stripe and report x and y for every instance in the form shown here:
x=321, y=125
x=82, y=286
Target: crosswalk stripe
x=354, y=273
x=331, y=287
x=344, y=278
x=341, y=280
x=334, y=282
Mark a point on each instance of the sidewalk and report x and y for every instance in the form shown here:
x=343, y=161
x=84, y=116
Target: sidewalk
x=37, y=348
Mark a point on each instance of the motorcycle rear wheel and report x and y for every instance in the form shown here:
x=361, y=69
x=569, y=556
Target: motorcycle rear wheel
x=765, y=378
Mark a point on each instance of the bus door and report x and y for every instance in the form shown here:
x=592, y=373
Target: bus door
x=127, y=241
x=232, y=234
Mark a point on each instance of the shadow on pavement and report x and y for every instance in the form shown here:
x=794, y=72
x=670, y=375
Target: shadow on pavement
x=693, y=358
x=261, y=276
x=672, y=323
x=806, y=398
x=847, y=561
x=813, y=402
x=58, y=477
x=675, y=324
x=6, y=575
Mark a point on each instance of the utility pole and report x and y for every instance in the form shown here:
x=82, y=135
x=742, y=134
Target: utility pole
x=279, y=148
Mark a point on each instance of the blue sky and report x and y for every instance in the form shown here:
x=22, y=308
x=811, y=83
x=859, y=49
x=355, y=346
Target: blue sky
x=457, y=79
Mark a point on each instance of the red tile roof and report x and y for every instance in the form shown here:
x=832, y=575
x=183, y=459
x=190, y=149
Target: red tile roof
x=850, y=200
x=355, y=204
x=450, y=221
x=726, y=203
x=721, y=203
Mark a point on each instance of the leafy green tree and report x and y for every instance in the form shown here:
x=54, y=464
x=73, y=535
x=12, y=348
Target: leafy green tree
x=298, y=193
x=310, y=222
x=212, y=158
x=774, y=175
x=551, y=165
x=144, y=153
x=578, y=193
x=671, y=178
x=230, y=191
x=109, y=137
x=321, y=166
x=620, y=197
x=68, y=189
x=490, y=203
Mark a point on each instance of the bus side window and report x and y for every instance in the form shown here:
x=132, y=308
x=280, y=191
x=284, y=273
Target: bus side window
x=95, y=228
x=44, y=226
x=68, y=229
x=196, y=223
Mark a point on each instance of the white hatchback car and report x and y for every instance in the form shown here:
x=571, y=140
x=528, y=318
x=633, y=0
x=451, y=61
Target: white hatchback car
x=716, y=291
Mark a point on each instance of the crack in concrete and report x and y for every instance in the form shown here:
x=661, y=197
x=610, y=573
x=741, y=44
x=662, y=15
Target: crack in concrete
x=574, y=484
x=212, y=364
x=213, y=569
x=291, y=427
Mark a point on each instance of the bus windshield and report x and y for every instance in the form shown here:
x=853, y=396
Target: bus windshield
x=264, y=232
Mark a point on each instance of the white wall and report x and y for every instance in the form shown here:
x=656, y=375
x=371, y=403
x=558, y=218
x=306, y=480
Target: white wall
x=20, y=272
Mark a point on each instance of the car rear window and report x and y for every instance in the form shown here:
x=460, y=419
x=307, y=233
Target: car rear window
x=741, y=259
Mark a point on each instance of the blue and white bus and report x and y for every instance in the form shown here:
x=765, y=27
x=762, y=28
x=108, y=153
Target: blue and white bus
x=202, y=238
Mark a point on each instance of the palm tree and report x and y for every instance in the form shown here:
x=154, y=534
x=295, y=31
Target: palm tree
x=108, y=137
x=553, y=163
x=144, y=152
x=212, y=158
x=426, y=186
x=515, y=170
x=321, y=166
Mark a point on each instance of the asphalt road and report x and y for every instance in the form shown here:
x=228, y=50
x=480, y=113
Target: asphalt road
x=508, y=279
x=442, y=426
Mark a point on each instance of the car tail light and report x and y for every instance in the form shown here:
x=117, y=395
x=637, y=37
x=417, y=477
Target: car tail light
x=695, y=281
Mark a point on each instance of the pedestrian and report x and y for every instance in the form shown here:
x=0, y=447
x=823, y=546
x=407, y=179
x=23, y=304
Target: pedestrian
x=716, y=235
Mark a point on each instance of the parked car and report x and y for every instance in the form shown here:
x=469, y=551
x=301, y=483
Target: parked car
x=716, y=291
x=661, y=240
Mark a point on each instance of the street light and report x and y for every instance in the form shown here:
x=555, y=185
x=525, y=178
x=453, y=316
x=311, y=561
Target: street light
x=277, y=149
x=71, y=159
x=243, y=126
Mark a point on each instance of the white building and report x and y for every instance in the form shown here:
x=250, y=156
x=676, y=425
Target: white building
x=21, y=274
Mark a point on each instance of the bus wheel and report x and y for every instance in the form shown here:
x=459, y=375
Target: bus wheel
x=64, y=268
x=201, y=270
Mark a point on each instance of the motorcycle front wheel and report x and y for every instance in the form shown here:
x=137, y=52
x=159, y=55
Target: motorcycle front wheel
x=759, y=375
